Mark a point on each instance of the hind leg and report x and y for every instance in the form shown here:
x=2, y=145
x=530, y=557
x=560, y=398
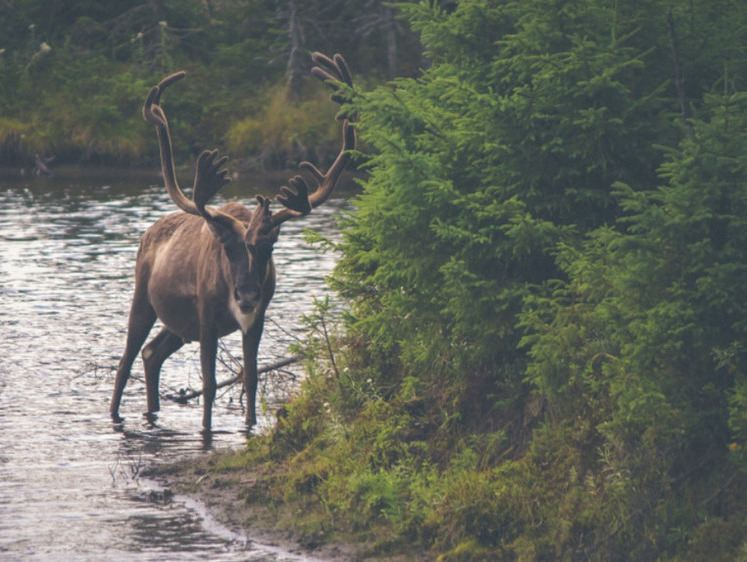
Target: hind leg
x=142, y=318
x=154, y=354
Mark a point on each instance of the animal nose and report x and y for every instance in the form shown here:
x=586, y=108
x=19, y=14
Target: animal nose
x=247, y=300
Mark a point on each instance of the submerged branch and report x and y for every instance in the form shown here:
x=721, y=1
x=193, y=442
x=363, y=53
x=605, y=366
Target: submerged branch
x=183, y=396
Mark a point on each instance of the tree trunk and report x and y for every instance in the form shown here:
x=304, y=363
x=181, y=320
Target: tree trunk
x=391, y=44
x=294, y=69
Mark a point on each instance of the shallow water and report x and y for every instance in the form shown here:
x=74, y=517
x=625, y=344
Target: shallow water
x=70, y=483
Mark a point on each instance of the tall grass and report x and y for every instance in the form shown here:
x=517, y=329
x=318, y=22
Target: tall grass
x=285, y=133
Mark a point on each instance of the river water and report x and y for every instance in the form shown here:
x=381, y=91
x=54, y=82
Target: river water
x=69, y=480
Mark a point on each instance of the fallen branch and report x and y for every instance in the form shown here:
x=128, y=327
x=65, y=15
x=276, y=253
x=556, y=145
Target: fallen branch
x=185, y=396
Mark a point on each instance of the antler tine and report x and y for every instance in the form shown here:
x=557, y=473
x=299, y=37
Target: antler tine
x=209, y=180
x=168, y=81
x=342, y=67
x=326, y=182
x=296, y=200
x=154, y=99
x=296, y=197
x=334, y=69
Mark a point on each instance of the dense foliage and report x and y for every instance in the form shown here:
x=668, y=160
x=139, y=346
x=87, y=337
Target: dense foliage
x=543, y=354
x=73, y=76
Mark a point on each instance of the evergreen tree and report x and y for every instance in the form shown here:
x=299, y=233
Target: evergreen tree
x=530, y=295
x=508, y=145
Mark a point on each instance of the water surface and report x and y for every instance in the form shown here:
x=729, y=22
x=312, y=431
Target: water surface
x=69, y=481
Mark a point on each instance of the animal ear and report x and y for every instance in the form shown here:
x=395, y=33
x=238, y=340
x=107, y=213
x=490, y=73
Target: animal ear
x=225, y=229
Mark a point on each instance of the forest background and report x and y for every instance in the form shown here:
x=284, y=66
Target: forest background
x=542, y=349
x=73, y=76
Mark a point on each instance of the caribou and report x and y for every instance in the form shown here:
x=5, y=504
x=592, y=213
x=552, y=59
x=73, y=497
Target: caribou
x=207, y=272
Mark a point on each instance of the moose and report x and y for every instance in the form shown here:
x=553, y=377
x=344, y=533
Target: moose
x=207, y=272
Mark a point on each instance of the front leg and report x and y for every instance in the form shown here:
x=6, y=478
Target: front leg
x=250, y=345
x=208, y=353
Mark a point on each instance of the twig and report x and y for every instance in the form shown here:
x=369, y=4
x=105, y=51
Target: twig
x=720, y=489
x=329, y=346
x=282, y=329
x=183, y=397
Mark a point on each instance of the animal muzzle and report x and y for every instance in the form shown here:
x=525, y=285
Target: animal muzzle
x=247, y=301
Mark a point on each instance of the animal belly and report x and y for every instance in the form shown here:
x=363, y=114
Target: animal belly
x=178, y=315
x=172, y=289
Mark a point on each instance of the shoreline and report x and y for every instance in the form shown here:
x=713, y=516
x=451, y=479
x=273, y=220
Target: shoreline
x=219, y=498
x=245, y=183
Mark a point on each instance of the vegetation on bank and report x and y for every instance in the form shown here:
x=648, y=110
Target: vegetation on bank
x=73, y=76
x=542, y=352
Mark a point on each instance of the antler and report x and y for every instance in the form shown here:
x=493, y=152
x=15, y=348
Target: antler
x=209, y=178
x=332, y=71
x=295, y=198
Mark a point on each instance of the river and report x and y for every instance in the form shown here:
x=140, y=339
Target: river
x=70, y=485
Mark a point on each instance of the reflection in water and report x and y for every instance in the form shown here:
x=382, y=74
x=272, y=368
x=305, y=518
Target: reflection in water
x=70, y=484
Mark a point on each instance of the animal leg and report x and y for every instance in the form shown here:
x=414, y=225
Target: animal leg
x=154, y=354
x=142, y=318
x=208, y=353
x=250, y=344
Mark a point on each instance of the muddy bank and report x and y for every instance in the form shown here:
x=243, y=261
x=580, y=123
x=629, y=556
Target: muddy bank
x=226, y=493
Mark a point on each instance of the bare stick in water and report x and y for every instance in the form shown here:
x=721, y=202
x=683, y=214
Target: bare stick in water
x=184, y=397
